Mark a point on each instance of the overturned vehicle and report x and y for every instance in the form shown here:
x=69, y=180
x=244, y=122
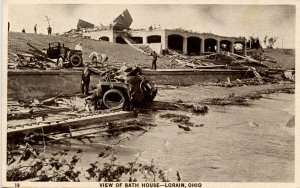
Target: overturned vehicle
x=123, y=89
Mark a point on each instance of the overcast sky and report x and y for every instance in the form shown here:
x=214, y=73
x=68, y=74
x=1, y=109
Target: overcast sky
x=227, y=20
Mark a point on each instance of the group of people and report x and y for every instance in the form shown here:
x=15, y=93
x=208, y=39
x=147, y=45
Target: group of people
x=49, y=29
x=96, y=59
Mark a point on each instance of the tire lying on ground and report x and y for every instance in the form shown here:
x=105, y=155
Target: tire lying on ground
x=114, y=98
x=75, y=60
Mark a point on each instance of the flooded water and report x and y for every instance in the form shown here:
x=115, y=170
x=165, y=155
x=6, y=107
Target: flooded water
x=236, y=143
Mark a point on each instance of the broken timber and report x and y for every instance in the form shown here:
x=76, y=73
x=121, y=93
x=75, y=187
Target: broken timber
x=72, y=122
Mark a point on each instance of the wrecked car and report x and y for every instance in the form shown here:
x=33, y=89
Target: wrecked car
x=64, y=55
x=123, y=90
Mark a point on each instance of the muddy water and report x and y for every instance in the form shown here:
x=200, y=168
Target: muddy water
x=236, y=143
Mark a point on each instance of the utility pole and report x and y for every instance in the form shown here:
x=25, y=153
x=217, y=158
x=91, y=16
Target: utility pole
x=47, y=19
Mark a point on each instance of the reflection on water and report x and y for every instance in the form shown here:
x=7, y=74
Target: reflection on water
x=237, y=143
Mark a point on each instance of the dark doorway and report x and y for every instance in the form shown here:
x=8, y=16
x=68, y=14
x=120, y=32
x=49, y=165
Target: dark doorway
x=210, y=45
x=120, y=40
x=137, y=40
x=104, y=38
x=193, y=45
x=154, y=39
x=175, y=42
x=225, y=45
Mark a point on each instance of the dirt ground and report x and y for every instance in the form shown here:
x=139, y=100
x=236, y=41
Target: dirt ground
x=285, y=58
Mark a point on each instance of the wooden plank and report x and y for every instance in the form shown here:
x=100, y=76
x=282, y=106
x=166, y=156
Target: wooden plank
x=32, y=113
x=77, y=122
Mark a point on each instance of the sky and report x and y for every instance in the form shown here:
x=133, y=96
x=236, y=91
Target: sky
x=226, y=20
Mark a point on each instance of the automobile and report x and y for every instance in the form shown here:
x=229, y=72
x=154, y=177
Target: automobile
x=64, y=55
x=125, y=91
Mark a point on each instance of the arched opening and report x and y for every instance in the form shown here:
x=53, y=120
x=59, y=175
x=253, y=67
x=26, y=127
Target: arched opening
x=104, y=38
x=225, y=45
x=210, y=45
x=137, y=40
x=120, y=40
x=239, y=48
x=154, y=39
x=175, y=42
x=193, y=45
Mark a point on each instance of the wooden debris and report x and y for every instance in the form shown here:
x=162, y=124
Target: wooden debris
x=74, y=122
x=186, y=128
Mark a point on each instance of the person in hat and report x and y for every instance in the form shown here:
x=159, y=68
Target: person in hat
x=85, y=78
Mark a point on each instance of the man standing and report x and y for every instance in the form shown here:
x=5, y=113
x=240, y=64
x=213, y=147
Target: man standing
x=85, y=78
x=23, y=30
x=49, y=30
x=35, y=29
x=154, y=59
x=79, y=47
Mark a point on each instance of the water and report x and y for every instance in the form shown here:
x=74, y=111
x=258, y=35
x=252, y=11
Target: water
x=236, y=143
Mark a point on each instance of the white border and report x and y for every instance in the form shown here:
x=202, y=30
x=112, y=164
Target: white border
x=5, y=3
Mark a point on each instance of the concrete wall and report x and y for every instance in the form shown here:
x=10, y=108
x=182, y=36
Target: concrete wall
x=27, y=85
x=98, y=34
x=164, y=33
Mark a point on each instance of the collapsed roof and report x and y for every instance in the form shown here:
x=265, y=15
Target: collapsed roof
x=123, y=21
x=84, y=24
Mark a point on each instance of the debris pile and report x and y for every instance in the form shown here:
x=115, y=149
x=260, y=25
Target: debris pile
x=29, y=61
x=73, y=33
x=33, y=59
x=214, y=60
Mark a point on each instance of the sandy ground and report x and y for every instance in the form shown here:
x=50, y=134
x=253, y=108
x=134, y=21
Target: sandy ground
x=117, y=53
x=197, y=93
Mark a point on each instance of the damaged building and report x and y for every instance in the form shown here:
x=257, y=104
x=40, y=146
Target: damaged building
x=182, y=41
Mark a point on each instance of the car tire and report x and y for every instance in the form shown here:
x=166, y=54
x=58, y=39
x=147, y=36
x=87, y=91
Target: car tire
x=76, y=60
x=107, y=99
